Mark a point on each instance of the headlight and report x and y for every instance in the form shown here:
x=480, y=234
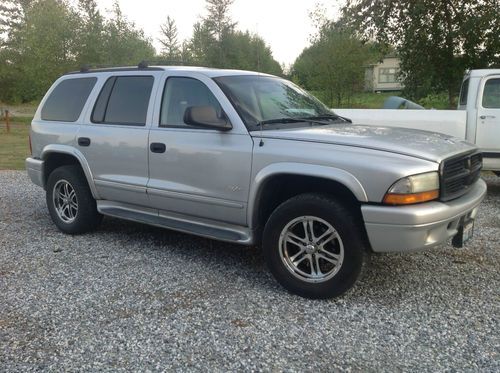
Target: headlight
x=413, y=189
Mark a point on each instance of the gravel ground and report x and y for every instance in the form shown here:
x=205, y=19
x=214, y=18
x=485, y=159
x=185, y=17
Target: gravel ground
x=133, y=297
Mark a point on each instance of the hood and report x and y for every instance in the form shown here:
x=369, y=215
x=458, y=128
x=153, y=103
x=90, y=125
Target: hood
x=421, y=144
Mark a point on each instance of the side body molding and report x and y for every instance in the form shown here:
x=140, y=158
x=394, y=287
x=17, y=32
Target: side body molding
x=300, y=169
x=66, y=149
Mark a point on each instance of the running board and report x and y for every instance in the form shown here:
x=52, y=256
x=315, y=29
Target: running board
x=197, y=226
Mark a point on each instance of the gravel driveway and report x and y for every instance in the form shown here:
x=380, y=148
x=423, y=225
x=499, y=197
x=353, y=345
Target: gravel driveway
x=133, y=297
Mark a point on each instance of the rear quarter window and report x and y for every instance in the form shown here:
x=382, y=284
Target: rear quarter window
x=66, y=101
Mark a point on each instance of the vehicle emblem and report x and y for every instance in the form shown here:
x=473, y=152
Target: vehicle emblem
x=234, y=188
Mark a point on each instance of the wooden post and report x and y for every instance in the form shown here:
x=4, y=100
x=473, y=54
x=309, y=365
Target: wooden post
x=7, y=120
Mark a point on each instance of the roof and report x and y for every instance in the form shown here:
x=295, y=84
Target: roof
x=478, y=73
x=208, y=71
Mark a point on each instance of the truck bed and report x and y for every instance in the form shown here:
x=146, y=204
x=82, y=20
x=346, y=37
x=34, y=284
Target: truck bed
x=449, y=122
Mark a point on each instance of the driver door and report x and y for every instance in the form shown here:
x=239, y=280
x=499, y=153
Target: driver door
x=196, y=171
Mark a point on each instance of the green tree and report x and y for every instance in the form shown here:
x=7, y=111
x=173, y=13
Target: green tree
x=169, y=40
x=437, y=40
x=125, y=44
x=91, y=34
x=249, y=52
x=39, y=48
x=216, y=43
x=218, y=20
x=334, y=64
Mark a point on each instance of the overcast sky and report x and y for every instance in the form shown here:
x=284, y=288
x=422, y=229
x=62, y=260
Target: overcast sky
x=284, y=24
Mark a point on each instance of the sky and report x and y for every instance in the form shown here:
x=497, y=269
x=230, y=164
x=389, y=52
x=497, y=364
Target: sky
x=285, y=25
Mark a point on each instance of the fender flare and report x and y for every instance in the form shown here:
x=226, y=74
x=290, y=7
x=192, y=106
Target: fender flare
x=69, y=150
x=300, y=169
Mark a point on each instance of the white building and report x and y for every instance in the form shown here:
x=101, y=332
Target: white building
x=382, y=76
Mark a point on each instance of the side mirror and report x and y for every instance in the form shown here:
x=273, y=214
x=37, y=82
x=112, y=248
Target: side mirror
x=205, y=116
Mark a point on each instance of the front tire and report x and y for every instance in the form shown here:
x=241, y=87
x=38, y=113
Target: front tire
x=69, y=200
x=313, y=246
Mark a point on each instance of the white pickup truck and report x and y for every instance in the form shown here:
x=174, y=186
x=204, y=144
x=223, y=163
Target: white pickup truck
x=477, y=119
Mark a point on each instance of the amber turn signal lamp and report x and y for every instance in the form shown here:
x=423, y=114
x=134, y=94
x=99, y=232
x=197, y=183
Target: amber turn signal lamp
x=408, y=199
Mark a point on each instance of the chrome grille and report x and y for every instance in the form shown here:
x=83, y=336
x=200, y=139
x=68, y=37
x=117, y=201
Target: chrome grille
x=458, y=174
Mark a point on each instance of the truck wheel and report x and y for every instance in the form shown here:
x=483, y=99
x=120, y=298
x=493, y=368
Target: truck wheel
x=313, y=246
x=70, y=202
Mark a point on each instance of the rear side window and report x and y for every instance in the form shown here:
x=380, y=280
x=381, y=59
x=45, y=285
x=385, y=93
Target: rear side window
x=491, y=94
x=464, y=92
x=66, y=101
x=124, y=100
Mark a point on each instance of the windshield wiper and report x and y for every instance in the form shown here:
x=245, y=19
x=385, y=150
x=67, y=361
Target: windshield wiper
x=282, y=120
x=327, y=117
x=292, y=120
x=317, y=119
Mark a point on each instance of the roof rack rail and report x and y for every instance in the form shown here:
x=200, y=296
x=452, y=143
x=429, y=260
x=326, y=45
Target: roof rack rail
x=143, y=65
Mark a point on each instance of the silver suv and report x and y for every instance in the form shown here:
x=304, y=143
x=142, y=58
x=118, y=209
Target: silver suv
x=252, y=159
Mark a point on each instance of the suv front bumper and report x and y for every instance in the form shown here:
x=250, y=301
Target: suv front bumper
x=407, y=228
x=35, y=170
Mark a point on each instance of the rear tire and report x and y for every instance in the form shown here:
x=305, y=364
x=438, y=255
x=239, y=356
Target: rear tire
x=69, y=200
x=319, y=262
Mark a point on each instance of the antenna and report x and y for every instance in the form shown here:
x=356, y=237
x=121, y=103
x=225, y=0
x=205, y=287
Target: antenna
x=261, y=142
x=143, y=65
x=84, y=69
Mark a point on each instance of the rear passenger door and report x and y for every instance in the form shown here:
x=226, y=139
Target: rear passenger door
x=114, y=138
x=200, y=172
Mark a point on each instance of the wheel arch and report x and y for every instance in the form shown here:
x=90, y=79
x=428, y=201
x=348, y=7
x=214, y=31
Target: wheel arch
x=60, y=155
x=278, y=182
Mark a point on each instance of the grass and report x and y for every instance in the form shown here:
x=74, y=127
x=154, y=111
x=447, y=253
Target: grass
x=369, y=100
x=21, y=110
x=14, y=146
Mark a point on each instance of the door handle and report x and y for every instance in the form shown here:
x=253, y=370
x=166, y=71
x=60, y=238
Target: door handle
x=83, y=141
x=487, y=116
x=157, y=147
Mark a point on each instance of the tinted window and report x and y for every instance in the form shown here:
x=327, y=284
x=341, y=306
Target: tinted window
x=124, y=100
x=66, y=101
x=491, y=94
x=181, y=93
x=102, y=101
x=464, y=92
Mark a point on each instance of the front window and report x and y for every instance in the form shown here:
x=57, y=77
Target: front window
x=262, y=98
x=181, y=93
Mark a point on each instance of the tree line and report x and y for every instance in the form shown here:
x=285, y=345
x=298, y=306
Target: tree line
x=436, y=41
x=42, y=39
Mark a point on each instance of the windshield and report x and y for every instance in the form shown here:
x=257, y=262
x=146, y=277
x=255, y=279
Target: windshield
x=266, y=99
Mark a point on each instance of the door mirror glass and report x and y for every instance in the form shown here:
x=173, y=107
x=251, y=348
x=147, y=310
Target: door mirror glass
x=206, y=116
